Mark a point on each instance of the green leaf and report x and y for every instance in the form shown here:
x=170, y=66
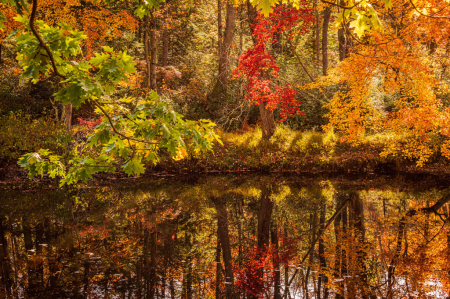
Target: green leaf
x=108, y=49
x=172, y=147
x=140, y=11
x=134, y=167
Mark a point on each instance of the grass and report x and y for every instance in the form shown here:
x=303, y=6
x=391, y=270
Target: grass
x=295, y=151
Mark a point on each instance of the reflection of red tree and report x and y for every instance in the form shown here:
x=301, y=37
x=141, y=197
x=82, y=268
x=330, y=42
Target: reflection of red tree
x=258, y=65
x=257, y=274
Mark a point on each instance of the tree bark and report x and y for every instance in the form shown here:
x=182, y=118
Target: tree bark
x=166, y=36
x=219, y=29
x=263, y=233
x=276, y=262
x=5, y=266
x=187, y=279
x=344, y=39
x=222, y=230
x=322, y=278
x=317, y=35
x=264, y=216
x=267, y=121
x=326, y=23
x=220, y=89
x=338, y=248
x=153, y=248
x=147, y=51
x=146, y=262
x=218, y=268
x=313, y=224
x=153, y=59
x=224, y=61
x=67, y=116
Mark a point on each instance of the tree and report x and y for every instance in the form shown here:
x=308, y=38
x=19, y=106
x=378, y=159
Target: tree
x=99, y=24
x=259, y=67
x=224, y=46
x=397, y=65
x=122, y=138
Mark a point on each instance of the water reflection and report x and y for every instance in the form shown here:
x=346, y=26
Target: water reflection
x=228, y=237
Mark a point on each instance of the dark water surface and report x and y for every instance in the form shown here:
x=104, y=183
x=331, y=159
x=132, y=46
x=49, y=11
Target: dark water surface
x=280, y=237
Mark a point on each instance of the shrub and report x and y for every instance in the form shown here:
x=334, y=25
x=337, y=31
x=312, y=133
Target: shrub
x=19, y=134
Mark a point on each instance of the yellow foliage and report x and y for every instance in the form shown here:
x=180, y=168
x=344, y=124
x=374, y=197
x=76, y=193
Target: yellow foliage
x=399, y=62
x=181, y=154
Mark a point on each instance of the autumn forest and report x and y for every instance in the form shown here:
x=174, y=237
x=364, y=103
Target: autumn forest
x=236, y=149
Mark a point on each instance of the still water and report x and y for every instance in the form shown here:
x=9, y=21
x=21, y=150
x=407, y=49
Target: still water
x=228, y=237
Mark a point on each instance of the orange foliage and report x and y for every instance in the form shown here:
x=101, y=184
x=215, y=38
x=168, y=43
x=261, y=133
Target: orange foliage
x=10, y=24
x=97, y=22
x=404, y=61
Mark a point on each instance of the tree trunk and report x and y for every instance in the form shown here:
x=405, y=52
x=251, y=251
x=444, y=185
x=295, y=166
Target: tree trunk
x=323, y=279
x=267, y=120
x=147, y=51
x=359, y=229
x=187, y=279
x=224, y=61
x=5, y=267
x=165, y=53
x=222, y=230
x=153, y=58
x=276, y=262
x=219, y=29
x=146, y=263
x=344, y=39
x=28, y=242
x=317, y=35
x=326, y=23
x=344, y=268
x=338, y=248
x=313, y=224
x=264, y=216
x=166, y=37
x=218, y=268
x=286, y=271
x=152, y=278
x=67, y=116
x=240, y=252
x=219, y=92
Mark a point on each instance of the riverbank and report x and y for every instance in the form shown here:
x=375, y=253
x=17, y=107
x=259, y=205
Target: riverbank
x=286, y=152
x=300, y=152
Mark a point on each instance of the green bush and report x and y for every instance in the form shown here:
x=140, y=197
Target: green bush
x=21, y=95
x=19, y=134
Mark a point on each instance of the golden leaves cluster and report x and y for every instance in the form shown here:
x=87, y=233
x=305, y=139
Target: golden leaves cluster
x=405, y=62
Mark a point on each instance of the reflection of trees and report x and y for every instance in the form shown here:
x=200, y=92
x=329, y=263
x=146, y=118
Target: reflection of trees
x=163, y=242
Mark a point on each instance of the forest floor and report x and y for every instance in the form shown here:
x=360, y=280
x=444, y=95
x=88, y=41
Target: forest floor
x=300, y=152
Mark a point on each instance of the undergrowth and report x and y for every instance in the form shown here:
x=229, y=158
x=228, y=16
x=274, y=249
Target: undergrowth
x=295, y=151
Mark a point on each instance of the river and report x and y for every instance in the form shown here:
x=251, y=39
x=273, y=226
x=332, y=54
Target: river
x=233, y=236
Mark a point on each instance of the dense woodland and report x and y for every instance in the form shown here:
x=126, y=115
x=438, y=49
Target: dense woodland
x=305, y=85
x=102, y=100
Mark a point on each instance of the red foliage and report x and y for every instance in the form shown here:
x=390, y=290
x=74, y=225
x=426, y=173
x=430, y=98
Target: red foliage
x=257, y=274
x=89, y=124
x=257, y=64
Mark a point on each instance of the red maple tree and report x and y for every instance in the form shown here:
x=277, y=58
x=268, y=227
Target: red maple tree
x=258, y=65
